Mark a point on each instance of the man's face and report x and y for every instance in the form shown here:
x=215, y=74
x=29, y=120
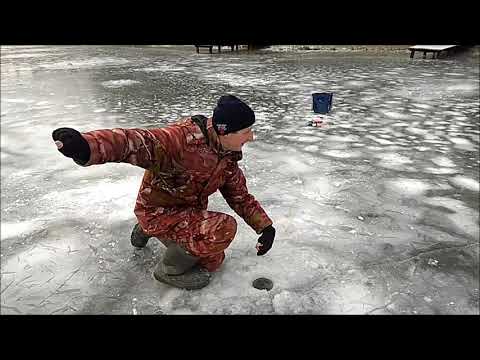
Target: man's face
x=235, y=141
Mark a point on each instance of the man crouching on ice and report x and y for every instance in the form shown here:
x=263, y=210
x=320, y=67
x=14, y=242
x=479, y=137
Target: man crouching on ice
x=184, y=163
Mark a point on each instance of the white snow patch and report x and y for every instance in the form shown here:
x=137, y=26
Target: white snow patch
x=417, y=131
x=463, y=87
x=393, y=161
x=380, y=141
x=119, y=83
x=15, y=229
x=464, y=218
x=348, y=138
x=397, y=115
x=465, y=182
x=443, y=161
x=287, y=302
x=161, y=68
x=342, y=153
x=441, y=171
x=409, y=187
x=240, y=80
x=422, y=106
x=19, y=101
x=21, y=56
x=403, y=124
x=311, y=148
x=306, y=139
x=292, y=165
x=118, y=195
x=356, y=83
x=89, y=63
x=462, y=143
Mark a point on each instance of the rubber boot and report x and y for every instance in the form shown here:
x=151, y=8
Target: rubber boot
x=138, y=238
x=179, y=269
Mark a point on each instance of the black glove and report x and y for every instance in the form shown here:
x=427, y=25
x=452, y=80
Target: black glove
x=72, y=144
x=266, y=239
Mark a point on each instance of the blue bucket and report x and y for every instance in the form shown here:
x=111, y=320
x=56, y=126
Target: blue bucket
x=322, y=102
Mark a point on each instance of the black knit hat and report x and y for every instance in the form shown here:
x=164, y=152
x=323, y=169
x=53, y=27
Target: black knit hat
x=231, y=114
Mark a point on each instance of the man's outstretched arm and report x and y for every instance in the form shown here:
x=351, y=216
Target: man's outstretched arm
x=140, y=147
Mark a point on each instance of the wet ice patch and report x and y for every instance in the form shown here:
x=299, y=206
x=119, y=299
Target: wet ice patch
x=119, y=83
x=465, y=182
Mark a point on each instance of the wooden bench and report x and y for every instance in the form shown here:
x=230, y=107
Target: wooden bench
x=210, y=47
x=434, y=49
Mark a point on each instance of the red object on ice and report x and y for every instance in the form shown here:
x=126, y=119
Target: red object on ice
x=318, y=122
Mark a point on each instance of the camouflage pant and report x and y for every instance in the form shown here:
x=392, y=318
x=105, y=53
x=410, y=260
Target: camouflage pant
x=202, y=233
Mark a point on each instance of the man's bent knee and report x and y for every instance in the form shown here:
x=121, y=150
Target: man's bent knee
x=228, y=228
x=221, y=231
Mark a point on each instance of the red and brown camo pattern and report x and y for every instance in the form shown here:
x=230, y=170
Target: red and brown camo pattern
x=181, y=171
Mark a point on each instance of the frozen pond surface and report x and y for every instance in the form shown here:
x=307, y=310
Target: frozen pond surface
x=377, y=212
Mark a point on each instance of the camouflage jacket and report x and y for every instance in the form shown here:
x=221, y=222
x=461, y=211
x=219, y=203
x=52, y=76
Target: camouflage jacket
x=182, y=168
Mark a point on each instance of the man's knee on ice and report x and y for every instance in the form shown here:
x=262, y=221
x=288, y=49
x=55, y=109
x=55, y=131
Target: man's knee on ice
x=223, y=234
x=228, y=228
